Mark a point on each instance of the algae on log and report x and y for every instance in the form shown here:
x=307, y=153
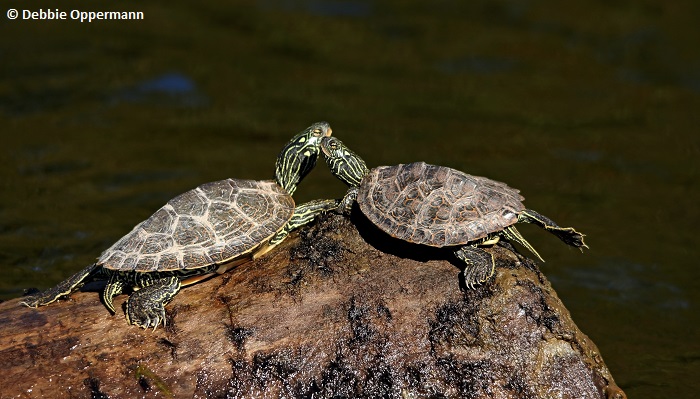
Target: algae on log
x=332, y=312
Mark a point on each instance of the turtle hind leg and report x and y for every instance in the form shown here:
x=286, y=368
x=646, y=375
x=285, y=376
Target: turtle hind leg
x=567, y=234
x=480, y=265
x=146, y=307
x=63, y=288
x=512, y=234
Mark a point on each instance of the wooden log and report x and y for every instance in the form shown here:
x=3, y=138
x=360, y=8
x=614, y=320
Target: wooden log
x=332, y=312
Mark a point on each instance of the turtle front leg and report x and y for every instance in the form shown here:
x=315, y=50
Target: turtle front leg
x=64, y=288
x=146, y=307
x=480, y=265
x=114, y=287
x=566, y=234
x=303, y=215
x=350, y=197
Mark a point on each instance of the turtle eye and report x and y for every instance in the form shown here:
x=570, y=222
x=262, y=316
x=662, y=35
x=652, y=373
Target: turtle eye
x=317, y=132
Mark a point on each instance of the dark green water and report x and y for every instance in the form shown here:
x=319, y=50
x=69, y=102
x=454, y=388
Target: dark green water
x=592, y=110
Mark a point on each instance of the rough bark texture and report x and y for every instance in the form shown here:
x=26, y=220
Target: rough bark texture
x=332, y=312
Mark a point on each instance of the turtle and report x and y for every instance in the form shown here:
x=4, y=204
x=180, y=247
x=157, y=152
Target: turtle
x=440, y=207
x=202, y=232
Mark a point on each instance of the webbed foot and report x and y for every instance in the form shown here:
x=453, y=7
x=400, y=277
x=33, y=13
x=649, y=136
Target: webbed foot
x=480, y=265
x=567, y=234
x=146, y=307
x=144, y=312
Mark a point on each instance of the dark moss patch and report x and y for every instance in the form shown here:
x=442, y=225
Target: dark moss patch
x=238, y=335
x=337, y=380
x=540, y=311
x=148, y=380
x=360, y=323
x=93, y=385
x=383, y=311
x=316, y=252
x=267, y=372
x=457, y=323
x=473, y=379
x=169, y=346
x=518, y=385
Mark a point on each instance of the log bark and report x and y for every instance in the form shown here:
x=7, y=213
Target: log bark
x=339, y=310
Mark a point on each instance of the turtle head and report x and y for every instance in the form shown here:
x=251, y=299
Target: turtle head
x=343, y=163
x=298, y=157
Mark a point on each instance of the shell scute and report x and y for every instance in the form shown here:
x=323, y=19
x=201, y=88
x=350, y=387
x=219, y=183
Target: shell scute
x=161, y=221
x=167, y=261
x=464, y=210
x=218, y=190
x=156, y=243
x=189, y=203
x=220, y=253
x=191, y=231
x=147, y=263
x=192, y=259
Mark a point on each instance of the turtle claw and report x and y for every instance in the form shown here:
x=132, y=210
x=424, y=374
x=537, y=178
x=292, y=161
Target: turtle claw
x=146, y=307
x=142, y=315
x=479, y=265
x=31, y=302
x=569, y=236
x=144, y=311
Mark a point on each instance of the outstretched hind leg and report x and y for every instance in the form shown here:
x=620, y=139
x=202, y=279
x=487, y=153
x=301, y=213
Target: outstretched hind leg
x=512, y=234
x=480, y=265
x=64, y=288
x=567, y=234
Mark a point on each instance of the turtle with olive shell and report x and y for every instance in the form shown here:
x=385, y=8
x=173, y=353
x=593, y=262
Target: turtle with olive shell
x=200, y=233
x=439, y=207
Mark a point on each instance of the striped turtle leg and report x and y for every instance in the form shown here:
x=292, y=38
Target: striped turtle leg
x=114, y=287
x=566, y=234
x=512, y=234
x=146, y=307
x=346, y=203
x=64, y=288
x=303, y=214
x=480, y=265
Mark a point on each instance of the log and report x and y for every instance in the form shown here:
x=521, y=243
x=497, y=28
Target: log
x=338, y=310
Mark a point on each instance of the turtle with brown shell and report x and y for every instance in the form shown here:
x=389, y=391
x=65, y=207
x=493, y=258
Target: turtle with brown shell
x=439, y=207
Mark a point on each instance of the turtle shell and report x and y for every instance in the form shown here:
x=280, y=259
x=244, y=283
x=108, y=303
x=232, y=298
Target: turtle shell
x=211, y=224
x=436, y=205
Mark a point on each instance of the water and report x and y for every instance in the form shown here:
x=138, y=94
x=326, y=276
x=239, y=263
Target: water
x=589, y=109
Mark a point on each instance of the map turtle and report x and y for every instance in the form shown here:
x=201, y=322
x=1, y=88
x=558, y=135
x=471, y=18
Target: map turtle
x=440, y=207
x=200, y=233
